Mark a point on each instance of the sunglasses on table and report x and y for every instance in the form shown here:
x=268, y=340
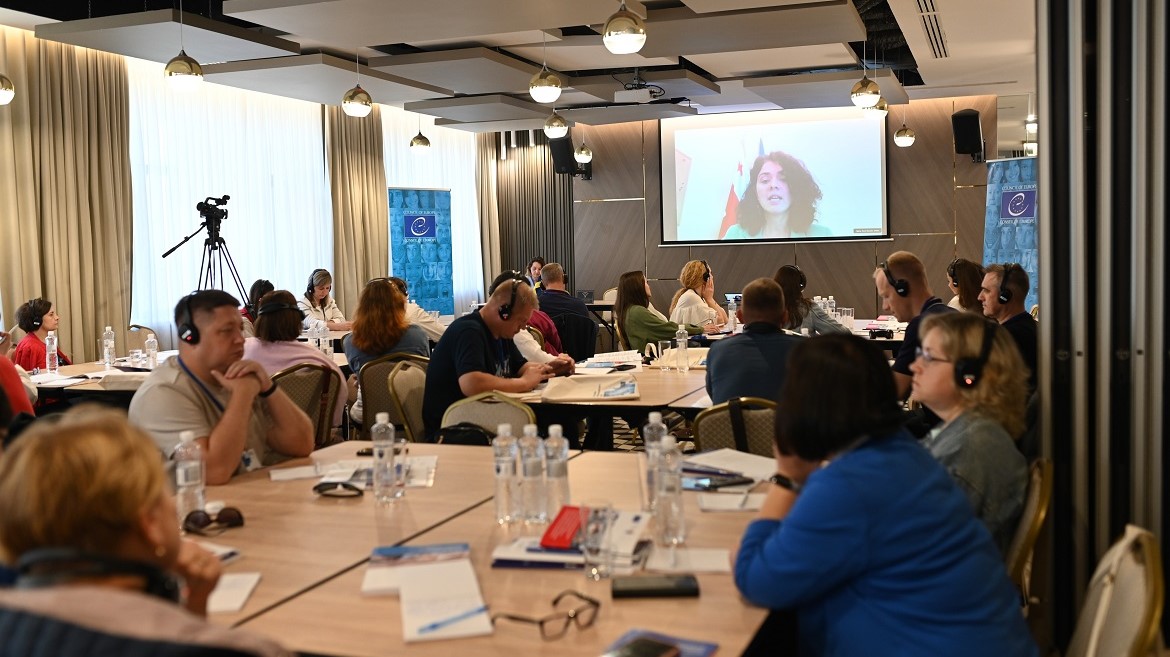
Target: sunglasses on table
x=337, y=489
x=203, y=523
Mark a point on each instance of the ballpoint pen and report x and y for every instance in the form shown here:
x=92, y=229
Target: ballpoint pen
x=451, y=620
x=743, y=500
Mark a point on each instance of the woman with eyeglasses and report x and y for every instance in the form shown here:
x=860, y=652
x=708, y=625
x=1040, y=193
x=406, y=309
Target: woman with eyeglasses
x=970, y=373
x=636, y=324
x=695, y=303
x=965, y=278
x=319, y=307
x=36, y=318
x=802, y=312
x=379, y=329
x=862, y=533
x=89, y=522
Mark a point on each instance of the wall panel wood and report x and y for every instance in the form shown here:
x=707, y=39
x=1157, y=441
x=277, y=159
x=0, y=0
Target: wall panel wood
x=610, y=239
x=844, y=271
x=617, y=162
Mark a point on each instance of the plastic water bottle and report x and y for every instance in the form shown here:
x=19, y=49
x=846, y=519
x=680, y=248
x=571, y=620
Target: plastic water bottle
x=831, y=306
x=52, y=360
x=680, y=348
x=730, y=315
x=532, y=487
x=386, y=487
x=556, y=463
x=188, y=457
x=109, y=351
x=324, y=342
x=507, y=481
x=669, y=517
x=652, y=435
x=151, y=350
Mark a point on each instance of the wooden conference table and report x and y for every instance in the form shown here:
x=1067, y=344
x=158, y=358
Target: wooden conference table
x=289, y=539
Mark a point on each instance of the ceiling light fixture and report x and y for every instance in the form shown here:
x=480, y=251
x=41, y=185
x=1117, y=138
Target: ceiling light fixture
x=555, y=126
x=866, y=92
x=624, y=33
x=583, y=154
x=545, y=86
x=357, y=102
x=182, y=72
x=904, y=137
x=7, y=90
x=420, y=145
x=878, y=111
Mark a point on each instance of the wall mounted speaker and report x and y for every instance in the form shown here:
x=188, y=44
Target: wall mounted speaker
x=968, y=133
x=562, y=154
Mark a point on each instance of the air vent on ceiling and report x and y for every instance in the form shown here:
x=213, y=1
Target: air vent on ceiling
x=932, y=27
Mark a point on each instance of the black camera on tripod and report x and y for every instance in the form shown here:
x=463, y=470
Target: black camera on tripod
x=212, y=208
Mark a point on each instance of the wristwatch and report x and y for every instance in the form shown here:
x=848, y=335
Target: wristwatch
x=785, y=482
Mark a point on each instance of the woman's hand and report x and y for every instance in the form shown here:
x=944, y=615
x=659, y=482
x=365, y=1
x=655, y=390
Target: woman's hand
x=712, y=328
x=200, y=569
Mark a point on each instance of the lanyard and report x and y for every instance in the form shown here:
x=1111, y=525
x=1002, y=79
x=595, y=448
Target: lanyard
x=199, y=383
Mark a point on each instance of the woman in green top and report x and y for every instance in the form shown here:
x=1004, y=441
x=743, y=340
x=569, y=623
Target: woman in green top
x=636, y=325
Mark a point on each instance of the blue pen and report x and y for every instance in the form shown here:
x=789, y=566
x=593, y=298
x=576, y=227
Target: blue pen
x=451, y=620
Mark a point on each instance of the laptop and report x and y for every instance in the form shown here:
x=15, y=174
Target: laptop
x=585, y=295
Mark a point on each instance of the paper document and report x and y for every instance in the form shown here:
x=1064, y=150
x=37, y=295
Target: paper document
x=441, y=601
x=289, y=474
x=689, y=560
x=731, y=501
x=231, y=593
x=603, y=387
x=750, y=465
x=386, y=563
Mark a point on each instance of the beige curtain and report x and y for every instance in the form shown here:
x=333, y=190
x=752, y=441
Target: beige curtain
x=489, y=210
x=361, y=215
x=535, y=206
x=66, y=204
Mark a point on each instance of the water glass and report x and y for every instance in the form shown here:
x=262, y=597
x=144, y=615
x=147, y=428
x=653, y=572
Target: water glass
x=847, y=317
x=137, y=358
x=401, y=467
x=663, y=347
x=596, y=523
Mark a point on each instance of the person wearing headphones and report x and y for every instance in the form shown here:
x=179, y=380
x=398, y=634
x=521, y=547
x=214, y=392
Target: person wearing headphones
x=89, y=522
x=259, y=288
x=36, y=318
x=1005, y=287
x=963, y=279
x=476, y=353
x=319, y=307
x=801, y=311
x=240, y=418
x=275, y=345
x=967, y=372
x=694, y=303
x=901, y=284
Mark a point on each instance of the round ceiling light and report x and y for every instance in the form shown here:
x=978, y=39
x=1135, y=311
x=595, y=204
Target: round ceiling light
x=583, y=154
x=7, y=90
x=545, y=86
x=865, y=93
x=183, y=73
x=624, y=33
x=357, y=102
x=556, y=126
x=904, y=137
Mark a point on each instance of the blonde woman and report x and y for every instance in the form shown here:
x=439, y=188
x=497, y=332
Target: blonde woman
x=87, y=518
x=695, y=302
x=969, y=372
x=319, y=306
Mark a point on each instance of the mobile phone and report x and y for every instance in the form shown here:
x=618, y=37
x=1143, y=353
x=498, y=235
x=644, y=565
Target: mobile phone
x=712, y=483
x=366, y=451
x=656, y=586
x=644, y=647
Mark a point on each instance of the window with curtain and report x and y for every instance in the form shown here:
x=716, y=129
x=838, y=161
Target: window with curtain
x=449, y=165
x=264, y=151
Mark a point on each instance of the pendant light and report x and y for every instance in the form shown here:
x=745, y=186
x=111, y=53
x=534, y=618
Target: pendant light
x=182, y=72
x=7, y=90
x=555, y=126
x=878, y=111
x=904, y=137
x=545, y=86
x=866, y=92
x=624, y=33
x=357, y=101
x=420, y=145
x=583, y=154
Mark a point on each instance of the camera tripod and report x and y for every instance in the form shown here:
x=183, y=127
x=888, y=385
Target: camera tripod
x=216, y=256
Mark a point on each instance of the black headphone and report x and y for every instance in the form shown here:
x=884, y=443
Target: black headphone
x=900, y=285
x=706, y=271
x=799, y=272
x=188, y=332
x=310, y=286
x=951, y=268
x=277, y=306
x=1005, y=295
x=968, y=371
x=38, y=319
x=65, y=565
x=506, y=309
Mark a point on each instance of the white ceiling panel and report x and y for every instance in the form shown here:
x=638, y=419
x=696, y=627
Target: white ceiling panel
x=466, y=71
x=733, y=97
x=493, y=126
x=794, y=58
x=154, y=36
x=626, y=113
x=502, y=39
x=675, y=84
x=480, y=108
x=374, y=22
x=318, y=78
x=680, y=31
x=585, y=53
x=822, y=89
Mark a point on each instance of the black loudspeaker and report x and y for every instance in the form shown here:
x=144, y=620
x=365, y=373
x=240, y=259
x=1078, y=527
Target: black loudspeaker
x=968, y=133
x=562, y=154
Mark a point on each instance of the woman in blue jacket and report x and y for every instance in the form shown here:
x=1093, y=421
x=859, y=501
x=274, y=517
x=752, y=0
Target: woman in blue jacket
x=863, y=534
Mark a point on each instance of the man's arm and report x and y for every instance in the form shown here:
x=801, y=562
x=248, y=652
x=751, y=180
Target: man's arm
x=531, y=375
x=224, y=446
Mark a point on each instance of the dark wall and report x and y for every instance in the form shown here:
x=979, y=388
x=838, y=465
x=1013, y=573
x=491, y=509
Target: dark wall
x=935, y=205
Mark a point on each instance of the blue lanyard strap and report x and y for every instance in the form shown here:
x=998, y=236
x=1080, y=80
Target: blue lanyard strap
x=201, y=385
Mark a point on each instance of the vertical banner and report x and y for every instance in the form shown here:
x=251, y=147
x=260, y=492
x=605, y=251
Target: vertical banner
x=1010, y=233
x=420, y=245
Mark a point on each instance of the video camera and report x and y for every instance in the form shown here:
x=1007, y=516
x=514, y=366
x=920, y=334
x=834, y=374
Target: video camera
x=212, y=208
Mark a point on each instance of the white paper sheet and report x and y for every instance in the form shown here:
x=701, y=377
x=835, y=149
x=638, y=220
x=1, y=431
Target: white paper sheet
x=689, y=560
x=289, y=474
x=231, y=593
x=731, y=502
x=441, y=601
x=751, y=465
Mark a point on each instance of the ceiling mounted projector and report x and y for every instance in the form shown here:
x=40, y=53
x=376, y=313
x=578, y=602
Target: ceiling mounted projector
x=642, y=95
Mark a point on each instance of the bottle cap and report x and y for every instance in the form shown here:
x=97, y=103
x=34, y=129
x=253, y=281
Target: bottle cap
x=186, y=437
x=655, y=416
x=150, y=336
x=382, y=418
x=555, y=431
x=530, y=430
x=504, y=429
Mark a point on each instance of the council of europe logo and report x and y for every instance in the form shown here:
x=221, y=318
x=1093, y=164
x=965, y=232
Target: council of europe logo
x=418, y=226
x=1017, y=204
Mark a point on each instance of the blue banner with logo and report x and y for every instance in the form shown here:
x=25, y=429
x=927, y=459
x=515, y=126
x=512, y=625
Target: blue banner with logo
x=420, y=245
x=1010, y=233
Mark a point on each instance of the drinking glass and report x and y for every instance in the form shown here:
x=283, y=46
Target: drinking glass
x=596, y=522
x=663, y=347
x=137, y=359
x=847, y=318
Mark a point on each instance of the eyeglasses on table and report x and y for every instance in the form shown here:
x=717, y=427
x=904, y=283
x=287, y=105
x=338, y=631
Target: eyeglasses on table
x=556, y=625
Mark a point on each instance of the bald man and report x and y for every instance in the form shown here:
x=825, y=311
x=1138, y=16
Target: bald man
x=901, y=283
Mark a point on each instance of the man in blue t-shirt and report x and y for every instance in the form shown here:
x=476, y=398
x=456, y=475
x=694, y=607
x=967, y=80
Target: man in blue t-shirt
x=753, y=363
x=901, y=283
